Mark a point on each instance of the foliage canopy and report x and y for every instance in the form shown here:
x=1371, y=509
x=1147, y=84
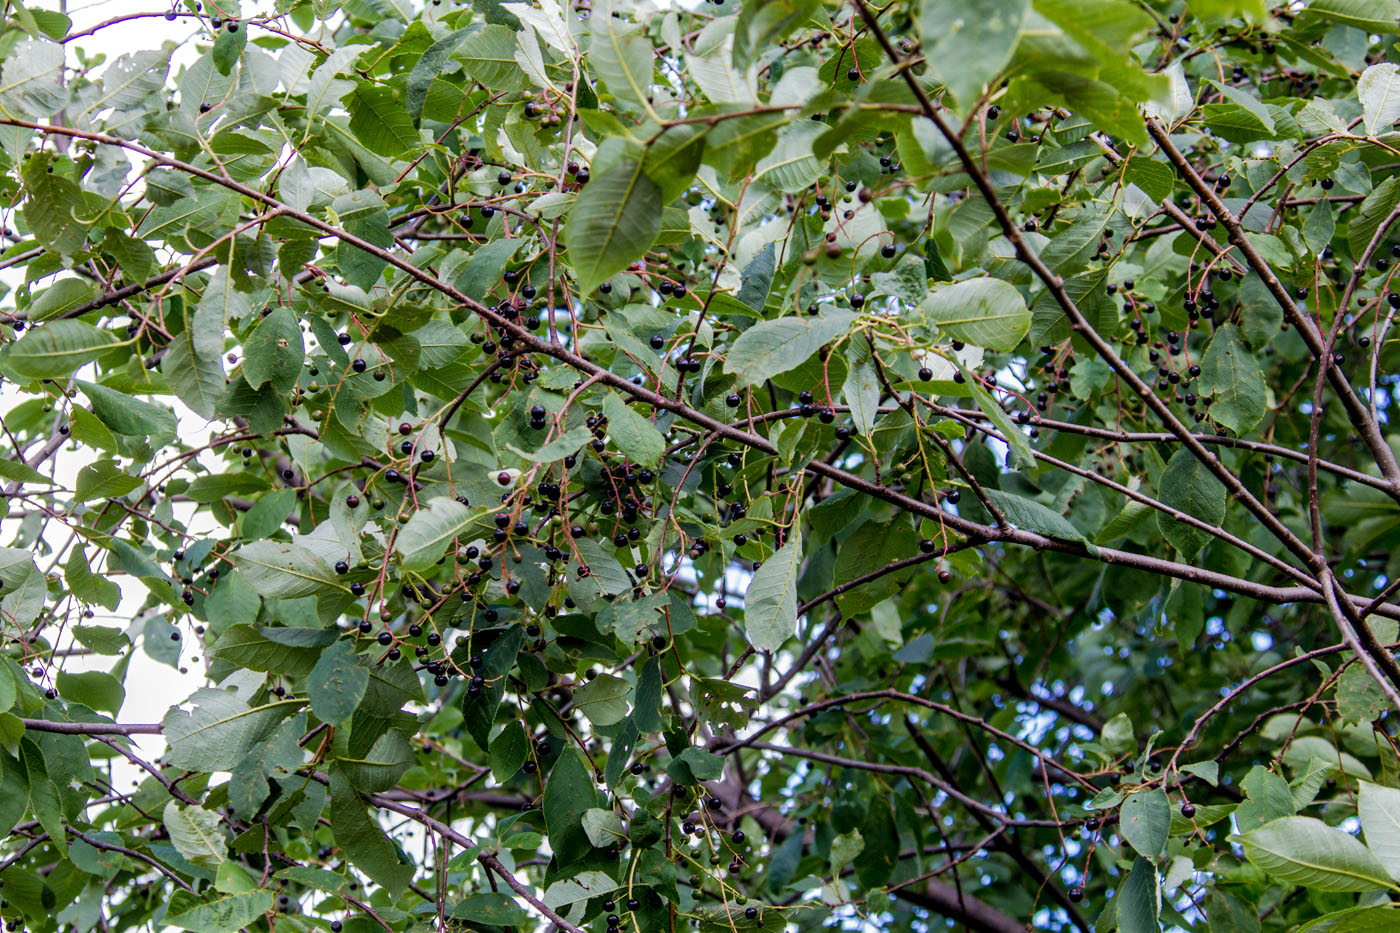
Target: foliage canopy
x=765, y=465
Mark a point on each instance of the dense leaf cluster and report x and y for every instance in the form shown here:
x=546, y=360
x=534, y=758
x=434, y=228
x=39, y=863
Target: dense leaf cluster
x=764, y=465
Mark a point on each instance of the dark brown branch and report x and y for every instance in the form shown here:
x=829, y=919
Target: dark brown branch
x=1357, y=413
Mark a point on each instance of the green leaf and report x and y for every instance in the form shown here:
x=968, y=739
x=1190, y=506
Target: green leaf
x=273, y=352
x=127, y=415
x=1232, y=375
x=861, y=391
x=568, y=795
x=844, y=850
x=489, y=57
x=623, y=744
x=480, y=711
x=1354, y=920
x=233, y=878
x=1139, y=901
x=497, y=910
x=1030, y=515
x=634, y=619
x=18, y=472
x=1206, y=815
x=646, y=712
x=248, y=647
x=337, y=684
x=673, y=157
x=791, y=166
x=1372, y=212
x=279, y=570
x=432, y=532
x=53, y=203
x=8, y=691
x=1118, y=736
x=634, y=435
x=1156, y=179
x=219, y=730
x=55, y=349
x=382, y=766
x=508, y=751
x=1379, y=809
x=1318, y=229
x=867, y=550
x=275, y=758
x=711, y=66
x=44, y=798
x=1381, y=16
x=580, y=887
x=97, y=690
x=1145, y=820
x=770, y=602
x=733, y=145
x=362, y=841
x=604, y=568
x=1379, y=90
x=1241, y=118
x=1188, y=486
x=985, y=312
x=604, y=699
x=24, y=587
x=772, y=347
x=1302, y=850
x=1269, y=798
x=612, y=223
x=195, y=833
x=104, y=480
x=758, y=278
x=380, y=121
x=426, y=70
x=1208, y=771
x=603, y=828
x=60, y=297
x=694, y=765
x=267, y=514
x=158, y=643
x=91, y=587
x=483, y=270
x=760, y=25
x=228, y=46
x=1021, y=453
x=1359, y=698
x=968, y=42
x=226, y=914
x=621, y=55
x=193, y=363
x=562, y=446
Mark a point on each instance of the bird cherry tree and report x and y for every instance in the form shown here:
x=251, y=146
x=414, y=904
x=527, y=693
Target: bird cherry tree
x=779, y=464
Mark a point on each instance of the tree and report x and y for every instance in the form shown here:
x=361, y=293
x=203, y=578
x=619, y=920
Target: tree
x=774, y=465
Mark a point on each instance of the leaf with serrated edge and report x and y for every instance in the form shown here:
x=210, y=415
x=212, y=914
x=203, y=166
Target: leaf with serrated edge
x=1306, y=851
x=1379, y=809
x=429, y=534
x=612, y=223
x=770, y=603
x=985, y=312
